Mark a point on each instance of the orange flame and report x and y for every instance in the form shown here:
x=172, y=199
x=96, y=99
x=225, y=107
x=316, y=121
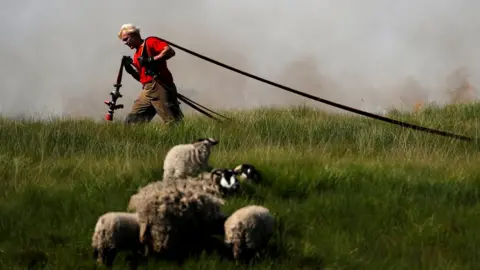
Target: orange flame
x=464, y=94
x=418, y=106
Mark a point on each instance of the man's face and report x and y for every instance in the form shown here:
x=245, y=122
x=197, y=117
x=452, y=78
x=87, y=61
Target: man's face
x=130, y=40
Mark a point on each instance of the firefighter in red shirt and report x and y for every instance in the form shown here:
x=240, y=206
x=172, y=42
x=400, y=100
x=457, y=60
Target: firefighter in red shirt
x=149, y=67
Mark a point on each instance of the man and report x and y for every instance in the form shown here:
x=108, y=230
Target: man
x=149, y=67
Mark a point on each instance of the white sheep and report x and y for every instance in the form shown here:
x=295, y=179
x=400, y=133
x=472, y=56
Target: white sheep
x=177, y=218
x=248, y=230
x=114, y=232
x=185, y=160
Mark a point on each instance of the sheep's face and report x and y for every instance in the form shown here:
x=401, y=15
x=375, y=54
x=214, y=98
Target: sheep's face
x=247, y=172
x=227, y=181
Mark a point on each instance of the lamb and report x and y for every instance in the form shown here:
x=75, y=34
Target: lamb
x=185, y=160
x=228, y=182
x=247, y=172
x=114, y=232
x=248, y=230
x=220, y=183
x=176, y=220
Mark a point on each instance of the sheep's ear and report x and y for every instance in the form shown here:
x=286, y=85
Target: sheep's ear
x=230, y=172
x=199, y=140
x=212, y=141
x=236, y=172
x=215, y=170
x=218, y=172
x=238, y=168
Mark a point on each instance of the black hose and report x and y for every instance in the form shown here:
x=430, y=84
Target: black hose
x=184, y=98
x=331, y=103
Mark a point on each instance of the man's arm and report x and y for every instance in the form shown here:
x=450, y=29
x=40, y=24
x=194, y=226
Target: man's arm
x=166, y=53
x=129, y=68
x=127, y=63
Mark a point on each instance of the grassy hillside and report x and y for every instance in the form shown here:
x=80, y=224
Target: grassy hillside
x=349, y=192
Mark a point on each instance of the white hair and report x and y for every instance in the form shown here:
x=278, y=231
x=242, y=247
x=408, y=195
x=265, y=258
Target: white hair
x=128, y=28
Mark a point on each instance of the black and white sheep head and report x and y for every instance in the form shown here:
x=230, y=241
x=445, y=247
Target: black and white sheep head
x=247, y=172
x=227, y=180
x=206, y=141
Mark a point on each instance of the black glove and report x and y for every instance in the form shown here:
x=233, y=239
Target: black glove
x=142, y=60
x=127, y=60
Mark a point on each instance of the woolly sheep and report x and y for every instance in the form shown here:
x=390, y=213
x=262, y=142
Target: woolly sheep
x=185, y=160
x=150, y=189
x=175, y=219
x=248, y=230
x=114, y=232
x=247, y=172
x=220, y=183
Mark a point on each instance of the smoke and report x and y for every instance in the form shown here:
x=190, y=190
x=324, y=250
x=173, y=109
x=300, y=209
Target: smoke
x=62, y=57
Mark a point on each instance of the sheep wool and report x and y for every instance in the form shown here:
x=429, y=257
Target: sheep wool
x=115, y=231
x=219, y=182
x=202, y=183
x=176, y=218
x=188, y=159
x=248, y=230
x=143, y=192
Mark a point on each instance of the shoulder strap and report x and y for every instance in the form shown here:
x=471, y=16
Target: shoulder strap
x=145, y=51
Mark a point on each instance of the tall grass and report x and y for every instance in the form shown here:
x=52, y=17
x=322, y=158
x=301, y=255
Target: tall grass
x=348, y=192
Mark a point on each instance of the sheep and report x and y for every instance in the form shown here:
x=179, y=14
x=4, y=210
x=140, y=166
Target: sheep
x=247, y=172
x=152, y=188
x=228, y=182
x=185, y=160
x=176, y=220
x=114, y=232
x=220, y=183
x=248, y=230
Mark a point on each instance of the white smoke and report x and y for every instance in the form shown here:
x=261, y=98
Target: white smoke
x=61, y=57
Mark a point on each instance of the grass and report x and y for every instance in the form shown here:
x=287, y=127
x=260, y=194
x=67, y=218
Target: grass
x=349, y=192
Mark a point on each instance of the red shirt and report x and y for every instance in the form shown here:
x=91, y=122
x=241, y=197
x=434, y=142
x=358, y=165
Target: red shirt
x=154, y=46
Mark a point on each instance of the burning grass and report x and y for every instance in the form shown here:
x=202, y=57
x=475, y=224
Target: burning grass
x=350, y=192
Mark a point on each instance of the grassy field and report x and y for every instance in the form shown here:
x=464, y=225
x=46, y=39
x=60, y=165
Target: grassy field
x=349, y=192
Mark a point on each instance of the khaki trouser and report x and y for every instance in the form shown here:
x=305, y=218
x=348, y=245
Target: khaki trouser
x=155, y=99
